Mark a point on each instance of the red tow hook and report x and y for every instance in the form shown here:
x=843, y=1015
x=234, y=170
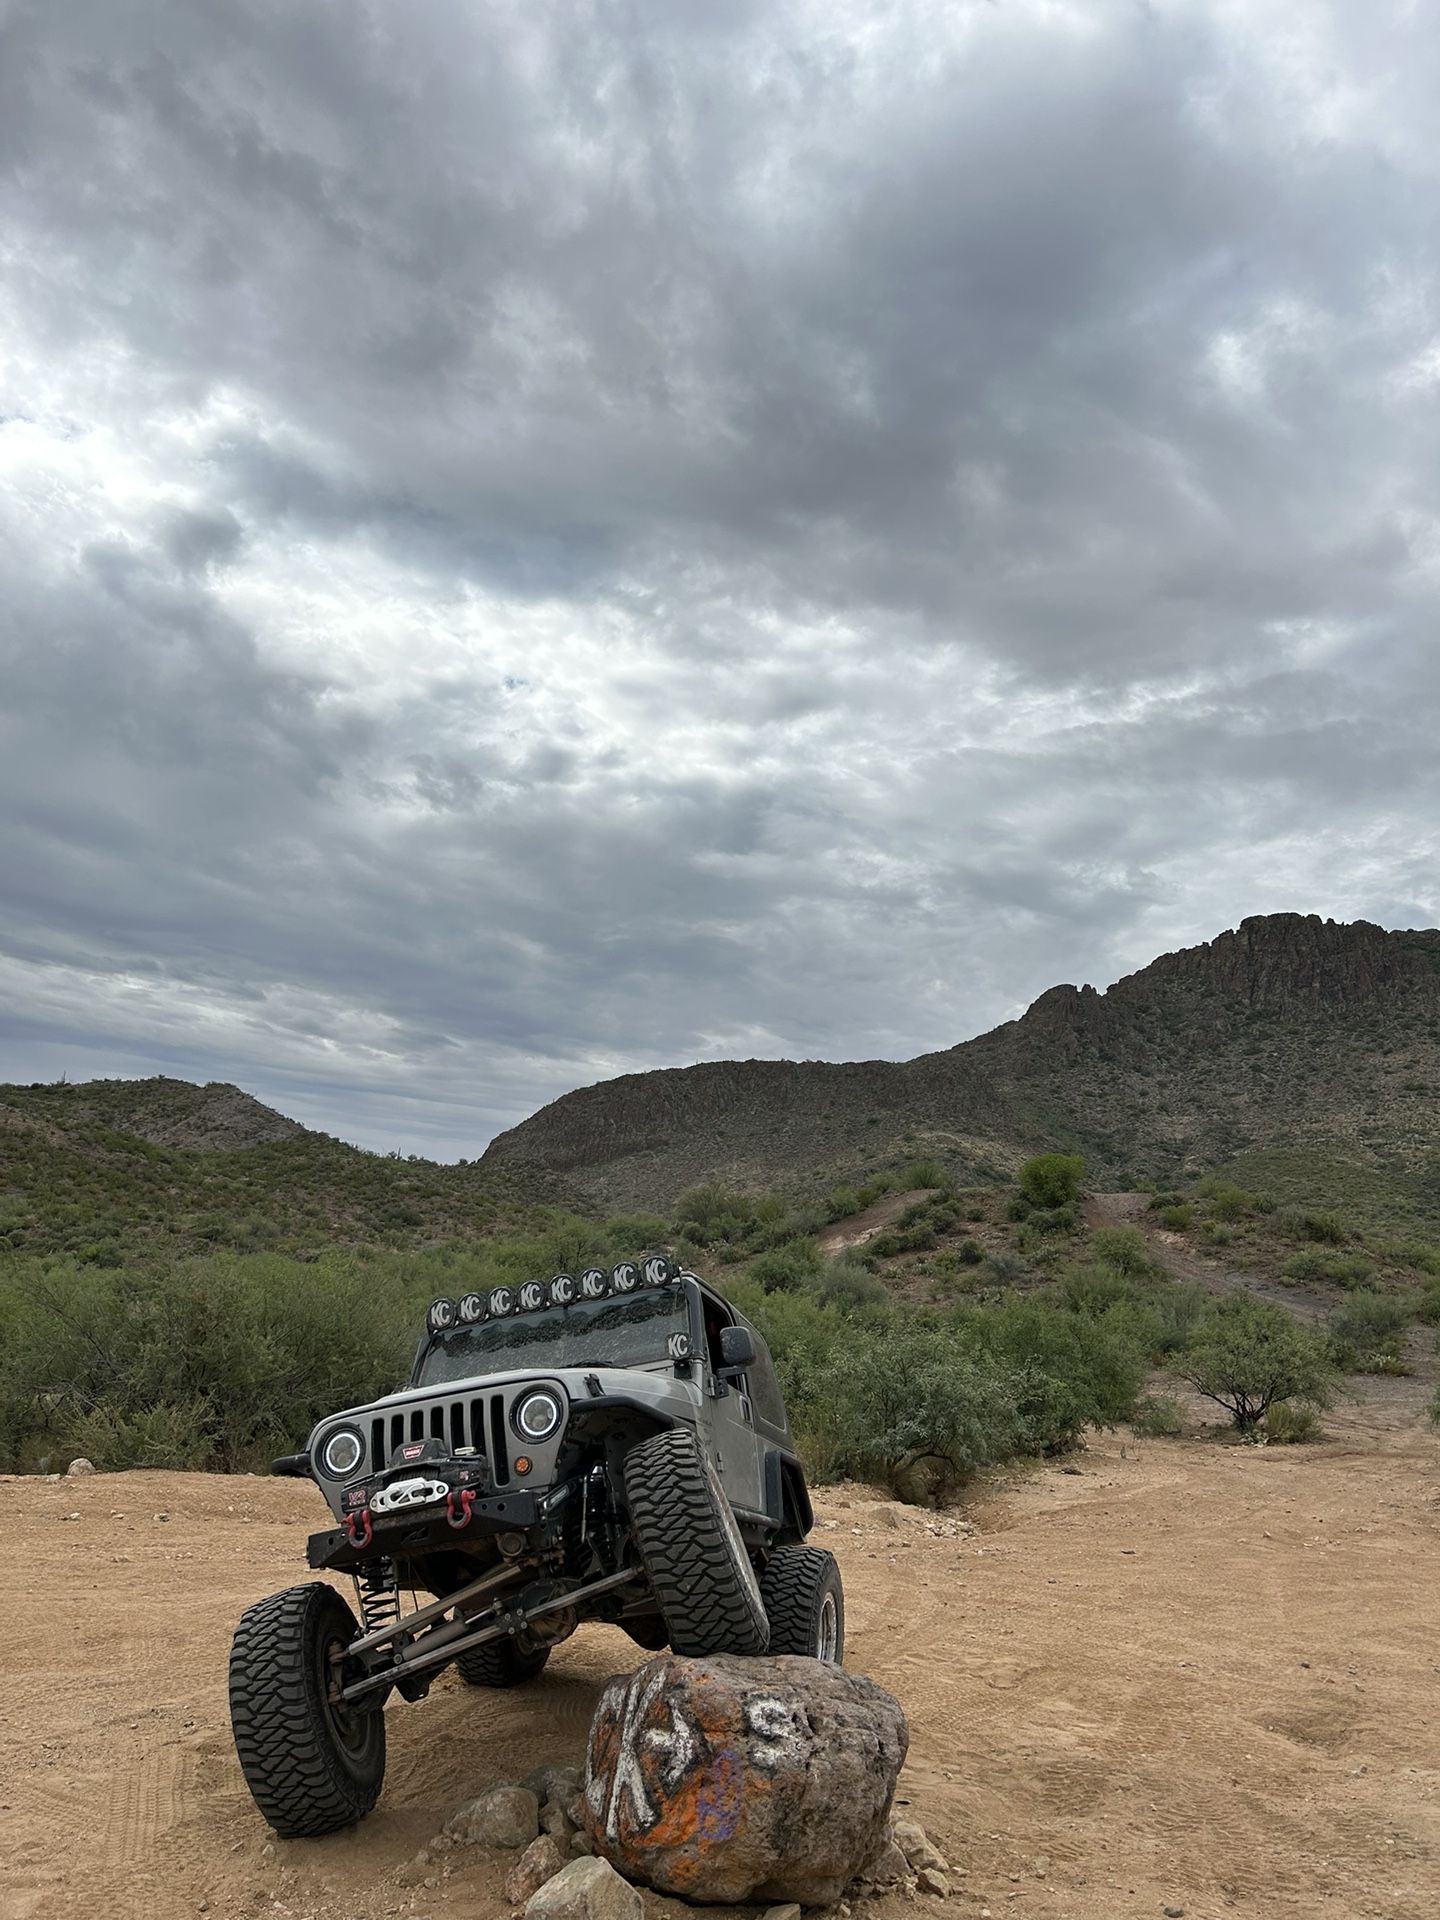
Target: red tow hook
x=467, y=1501
x=358, y=1528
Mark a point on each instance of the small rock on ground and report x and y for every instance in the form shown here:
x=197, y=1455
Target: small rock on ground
x=587, y=1889
x=503, y=1817
x=789, y=1911
x=77, y=1469
x=540, y=1862
x=916, y=1845
x=931, y=1880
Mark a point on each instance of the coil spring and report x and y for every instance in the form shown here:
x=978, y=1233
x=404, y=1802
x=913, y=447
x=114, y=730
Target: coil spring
x=378, y=1588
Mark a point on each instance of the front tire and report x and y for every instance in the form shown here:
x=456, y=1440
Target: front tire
x=311, y=1766
x=805, y=1603
x=691, y=1548
x=501, y=1663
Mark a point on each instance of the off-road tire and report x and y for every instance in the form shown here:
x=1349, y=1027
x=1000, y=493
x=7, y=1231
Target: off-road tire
x=310, y=1768
x=805, y=1603
x=691, y=1548
x=500, y=1663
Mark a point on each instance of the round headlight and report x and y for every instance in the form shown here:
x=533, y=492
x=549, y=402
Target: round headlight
x=562, y=1289
x=342, y=1453
x=532, y=1296
x=538, y=1415
x=593, y=1284
x=440, y=1316
x=472, y=1308
x=625, y=1278
x=502, y=1300
x=658, y=1270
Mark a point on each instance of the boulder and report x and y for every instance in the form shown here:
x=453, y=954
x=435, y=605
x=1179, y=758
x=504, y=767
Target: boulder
x=587, y=1889
x=77, y=1469
x=730, y=1780
x=503, y=1817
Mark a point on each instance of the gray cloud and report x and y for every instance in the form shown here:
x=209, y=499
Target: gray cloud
x=540, y=543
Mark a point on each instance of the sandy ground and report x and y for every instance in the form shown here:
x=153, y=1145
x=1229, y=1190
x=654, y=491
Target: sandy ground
x=1168, y=1673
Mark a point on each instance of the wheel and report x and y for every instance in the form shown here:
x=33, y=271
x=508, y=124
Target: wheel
x=805, y=1603
x=691, y=1548
x=312, y=1767
x=501, y=1663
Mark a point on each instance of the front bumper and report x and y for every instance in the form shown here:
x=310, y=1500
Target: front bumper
x=459, y=1523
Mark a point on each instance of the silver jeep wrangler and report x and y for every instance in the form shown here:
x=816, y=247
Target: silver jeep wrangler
x=598, y=1446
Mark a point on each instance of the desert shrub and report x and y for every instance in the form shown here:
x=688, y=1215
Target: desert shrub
x=1216, y=1234
x=1003, y=1269
x=875, y=1188
x=1367, y=1333
x=1174, y=1311
x=1094, y=1288
x=794, y=1265
x=1228, y=1203
x=166, y=1435
x=1425, y=1305
x=1340, y=1269
x=628, y=1230
x=1298, y=1223
x=1246, y=1354
x=925, y=1173
x=1414, y=1253
x=1287, y=1426
x=1052, y=1179
x=1157, y=1416
x=847, y=1283
x=1052, y=1219
x=843, y=1202
x=1175, y=1219
x=970, y=1253
x=1123, y=1248
x=1018, y=1209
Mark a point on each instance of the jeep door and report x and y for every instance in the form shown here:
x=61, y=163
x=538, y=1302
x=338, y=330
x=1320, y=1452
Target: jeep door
x=734, y=1444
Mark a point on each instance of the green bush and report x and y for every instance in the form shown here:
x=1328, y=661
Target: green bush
x=1425, y=1305
x=1177, y=1218
x=1228, y=1203
x=925, y=1173
x=1052, y=1179
x=1216, y=1234
x=842, y=1203
x=783, y=1268
x=970, y=1253
x=165, y=1435
x=1246, y=1354
x=1297, y=1223
x=1123, y=1248
x=1340, y=1269
x=1414, y=1253
x=1367, y=1334
x=1157, y=1417
x=1287, y=1426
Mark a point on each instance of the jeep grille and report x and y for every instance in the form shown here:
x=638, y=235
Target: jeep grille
x=476, y=1421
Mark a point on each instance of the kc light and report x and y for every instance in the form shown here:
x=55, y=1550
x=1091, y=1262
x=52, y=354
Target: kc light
x=626, y=1277
x=472, y=1308
x=342, y=1452
x=538, y=1415
x=658, y=1271
x=502, y=1301
x=532, y=1296
x=440, y=1316
x=593, y=1284
x=563, y=1289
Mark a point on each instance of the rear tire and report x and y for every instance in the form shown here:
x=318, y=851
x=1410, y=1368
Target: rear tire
x=501, y=1663
x=691, y=1549
x=312, y=1767
x=805, y=1603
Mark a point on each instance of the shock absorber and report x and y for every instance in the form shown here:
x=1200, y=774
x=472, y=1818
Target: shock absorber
x=377, y=1585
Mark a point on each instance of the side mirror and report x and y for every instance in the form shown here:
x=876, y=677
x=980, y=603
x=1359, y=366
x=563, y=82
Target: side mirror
x=737, y=1350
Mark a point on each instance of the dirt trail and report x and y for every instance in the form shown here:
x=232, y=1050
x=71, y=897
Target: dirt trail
x=858, y=1228
x=1184, y=1675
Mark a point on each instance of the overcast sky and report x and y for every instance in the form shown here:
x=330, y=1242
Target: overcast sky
x=543, y=540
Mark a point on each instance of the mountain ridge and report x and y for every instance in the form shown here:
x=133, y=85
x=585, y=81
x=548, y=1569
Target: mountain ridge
x=1206, y=1051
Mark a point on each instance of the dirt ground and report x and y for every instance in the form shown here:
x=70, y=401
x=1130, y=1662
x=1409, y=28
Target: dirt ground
x=1164, y=1674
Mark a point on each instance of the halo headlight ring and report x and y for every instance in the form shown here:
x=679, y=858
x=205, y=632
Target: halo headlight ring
x=342, y=1454
x=537, y=1416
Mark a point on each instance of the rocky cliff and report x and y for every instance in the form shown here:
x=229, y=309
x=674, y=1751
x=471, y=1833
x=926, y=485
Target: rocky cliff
x=1289, y=1028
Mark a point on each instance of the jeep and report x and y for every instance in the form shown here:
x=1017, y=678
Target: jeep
x=599, y=1446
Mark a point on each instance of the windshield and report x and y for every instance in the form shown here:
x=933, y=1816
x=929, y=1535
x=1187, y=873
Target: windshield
x=627, y=1331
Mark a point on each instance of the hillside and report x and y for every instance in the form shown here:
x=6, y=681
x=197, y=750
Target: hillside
x=1295, y=1033
x=114, y=1168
